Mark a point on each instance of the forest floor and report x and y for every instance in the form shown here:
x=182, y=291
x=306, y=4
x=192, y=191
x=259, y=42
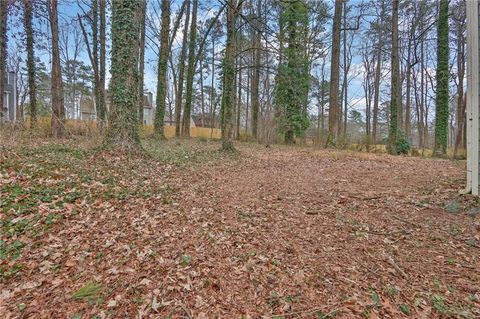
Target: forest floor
x=185, y=231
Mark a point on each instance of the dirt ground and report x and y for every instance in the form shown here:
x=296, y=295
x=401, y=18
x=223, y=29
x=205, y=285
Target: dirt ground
x=279, y=232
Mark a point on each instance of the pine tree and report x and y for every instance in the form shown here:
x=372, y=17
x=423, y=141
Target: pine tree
x=334, y=103
x=122, y=131
x=441, y=111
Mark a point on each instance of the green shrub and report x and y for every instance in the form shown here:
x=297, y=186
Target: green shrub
x=402, y=144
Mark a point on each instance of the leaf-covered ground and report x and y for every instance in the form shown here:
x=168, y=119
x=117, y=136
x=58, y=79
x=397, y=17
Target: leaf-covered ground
x=187, y=232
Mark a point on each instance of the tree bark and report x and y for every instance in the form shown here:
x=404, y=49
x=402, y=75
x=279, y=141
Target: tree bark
x=162, y=71
x=30, y=42
x=122, y=131
x=228, y=96
x=461, y=116
x=58, y=110
x=333, y=114
x=141, y=62
x=101, y=107
x=3, y=52
x=395, y=83
x=256, y=71
x=190, y=73
x=441, y=109
x=181, y=72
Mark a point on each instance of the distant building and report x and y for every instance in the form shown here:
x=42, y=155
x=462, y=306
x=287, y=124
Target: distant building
x=148, y=111
x=87, y=109
x=207, y=120
x=9, y=113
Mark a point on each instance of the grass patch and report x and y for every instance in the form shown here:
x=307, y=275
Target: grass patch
x=87, y=291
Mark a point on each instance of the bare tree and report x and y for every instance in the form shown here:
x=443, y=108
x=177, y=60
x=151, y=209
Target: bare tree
x=181, y=72
x=58, y=110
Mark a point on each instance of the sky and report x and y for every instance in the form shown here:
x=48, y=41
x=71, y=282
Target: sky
x=69, y=9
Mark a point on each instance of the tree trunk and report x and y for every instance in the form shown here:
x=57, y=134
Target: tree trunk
x=322, y=97
x=342, y=129
x=122, y=131
x=162, y=71
x=376, y=96
x=101, y=107
x=181, y=72
x=32, y=87
x=58, y=110
x=395, y=83
x=239, y=100
x=461, y=116
x=141, y=62
x=408, y=97
x=256, y=71
x=441, y=109
x=3, y=52
x=202, y=94
x=190, y=73
x=335, y=76
x=228, y=96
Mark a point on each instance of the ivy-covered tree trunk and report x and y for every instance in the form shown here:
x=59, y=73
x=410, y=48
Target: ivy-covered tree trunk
x=291, y=91
x=441, y=111
x=3, y=51
x=228, y=96
x=181, y=72
x=122, y=131
x=334, y=106
x=158, y=125
x=141, y=63
x=32, y=87
x=58, y=110
x=190, y=72
x=395, y=84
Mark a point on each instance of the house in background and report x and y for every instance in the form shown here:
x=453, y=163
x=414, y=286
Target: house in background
x=87, y=109
x=9, y=113
x=208, y=120
x=148, y=111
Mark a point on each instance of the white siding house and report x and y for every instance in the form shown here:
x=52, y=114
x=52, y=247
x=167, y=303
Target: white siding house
x=9, y=113
x=473, y=101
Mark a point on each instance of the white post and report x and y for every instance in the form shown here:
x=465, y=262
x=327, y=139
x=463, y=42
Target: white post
x=473, y=114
